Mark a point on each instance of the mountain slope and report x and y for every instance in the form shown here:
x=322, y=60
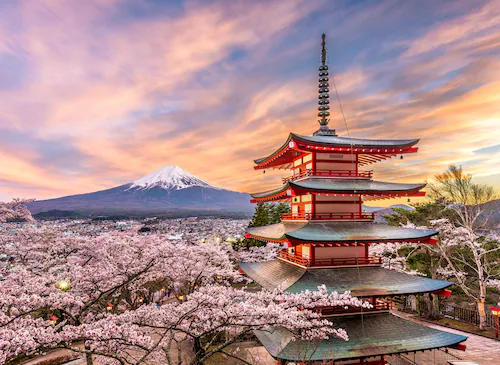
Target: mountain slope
x=168, y=189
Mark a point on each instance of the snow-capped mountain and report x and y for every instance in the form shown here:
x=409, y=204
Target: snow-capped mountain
x=170, y=177
x=169, y=189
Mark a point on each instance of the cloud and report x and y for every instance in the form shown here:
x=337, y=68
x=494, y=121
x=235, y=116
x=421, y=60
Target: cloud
x=103, y=92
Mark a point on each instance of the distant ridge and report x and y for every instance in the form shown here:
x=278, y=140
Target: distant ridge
x=168, y=190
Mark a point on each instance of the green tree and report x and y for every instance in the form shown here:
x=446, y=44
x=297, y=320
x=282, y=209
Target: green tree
x=265, y=214
x=260, y=216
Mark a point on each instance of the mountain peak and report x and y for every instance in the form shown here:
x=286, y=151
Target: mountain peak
x=170, y=177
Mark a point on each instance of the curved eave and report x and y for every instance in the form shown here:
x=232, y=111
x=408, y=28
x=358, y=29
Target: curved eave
x=382, y=149
x=370, y=335
x=342, y=232
x=354, y=142
x=281, y=239
x=274, y=194
x=360, y=281
x=264, y=159
x=303, y=186
x=322, y=240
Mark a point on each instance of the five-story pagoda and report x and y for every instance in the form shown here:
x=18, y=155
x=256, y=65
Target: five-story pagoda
x=327, y=235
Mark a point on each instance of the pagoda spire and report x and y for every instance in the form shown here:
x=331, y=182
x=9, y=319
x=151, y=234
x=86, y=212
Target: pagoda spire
x=324, y=97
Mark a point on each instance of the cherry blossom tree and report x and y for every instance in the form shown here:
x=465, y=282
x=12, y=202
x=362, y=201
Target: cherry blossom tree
x=257, y=253
x=16, y=209
x=472, y=259
x=127, y=298
x=469, y=255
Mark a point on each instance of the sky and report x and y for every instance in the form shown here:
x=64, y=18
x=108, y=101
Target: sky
x=97, y=93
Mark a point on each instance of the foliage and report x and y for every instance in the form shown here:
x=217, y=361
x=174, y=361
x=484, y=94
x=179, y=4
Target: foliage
x=128, y=298
x=16, y=209
x=465, y=252
x=465, y=197
x=265, y=214
x=268, y=213
x=421, y=215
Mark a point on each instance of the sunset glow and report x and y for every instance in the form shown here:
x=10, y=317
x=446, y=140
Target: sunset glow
x=95, y=94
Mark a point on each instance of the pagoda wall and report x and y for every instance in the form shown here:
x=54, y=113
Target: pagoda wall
x=337, y=204
x=339, y=252
x=302, y=204
x=335, y=162
x=303, y=163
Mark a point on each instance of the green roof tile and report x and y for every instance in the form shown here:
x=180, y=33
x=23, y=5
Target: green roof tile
x=339, y=232
x=344, y=141
x=361, y=281
x=369, y=335
x=342, y=186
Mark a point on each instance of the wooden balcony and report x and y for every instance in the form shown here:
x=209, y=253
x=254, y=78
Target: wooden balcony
x=328, y=216
x=330, y=173
x=348, y=261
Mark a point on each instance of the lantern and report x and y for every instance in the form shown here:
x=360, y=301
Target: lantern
x=53, y=320
x=109, y=307
x=63, y=285
x=495, y=311
x=141, y=299
x=180, y=297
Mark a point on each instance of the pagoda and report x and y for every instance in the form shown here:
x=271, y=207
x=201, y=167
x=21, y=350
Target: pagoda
x=326, y=238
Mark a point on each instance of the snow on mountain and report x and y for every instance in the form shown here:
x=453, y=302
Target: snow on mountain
x=166, y=190
x=170, y=178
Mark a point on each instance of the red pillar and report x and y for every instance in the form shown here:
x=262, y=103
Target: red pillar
x=311, y=250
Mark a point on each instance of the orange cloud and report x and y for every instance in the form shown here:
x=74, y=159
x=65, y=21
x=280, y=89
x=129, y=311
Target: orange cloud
x=133, y=94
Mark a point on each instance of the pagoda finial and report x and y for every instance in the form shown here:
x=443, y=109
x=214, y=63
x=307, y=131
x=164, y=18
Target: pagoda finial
x=324, y=97
x=323, y=49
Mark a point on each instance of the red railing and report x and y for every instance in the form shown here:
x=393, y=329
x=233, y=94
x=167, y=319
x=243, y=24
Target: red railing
x=330, y=173
x=350, y=261
x=327, y=216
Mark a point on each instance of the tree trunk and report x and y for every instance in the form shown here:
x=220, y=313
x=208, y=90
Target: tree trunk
x=88, y=356
x=199, y=352
x=482, y=314
x=433, y=306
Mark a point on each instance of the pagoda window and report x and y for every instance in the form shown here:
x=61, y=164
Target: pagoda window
x=306, y=198
x=306, y=252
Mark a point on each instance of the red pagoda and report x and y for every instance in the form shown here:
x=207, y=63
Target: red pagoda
x=327, y=236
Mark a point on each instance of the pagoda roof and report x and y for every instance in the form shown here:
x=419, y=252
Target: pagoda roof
x=339, y=232
x=337, y=141
x=369, y=335
x=340, y=186
x=364, y=281
x=357, y=142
